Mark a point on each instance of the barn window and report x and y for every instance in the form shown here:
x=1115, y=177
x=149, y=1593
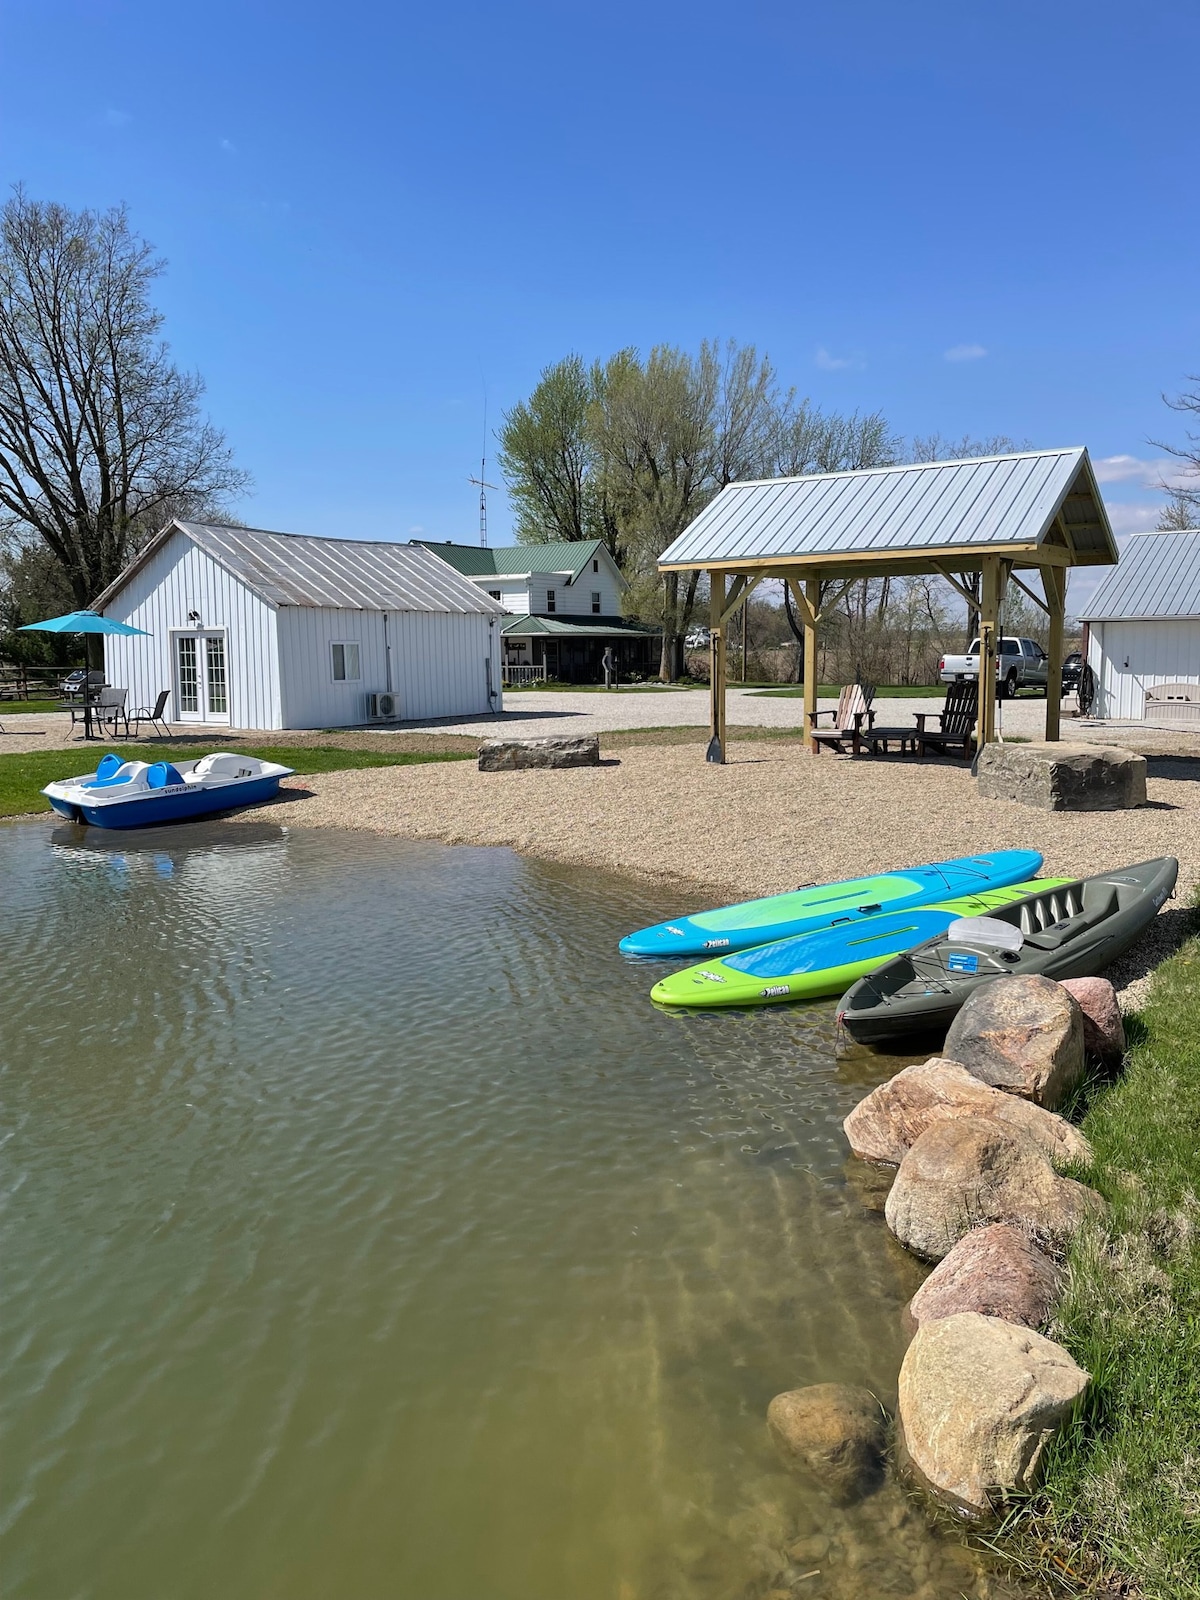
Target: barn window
x=346, y=667
x=551, y=600
x=596, y=566
x=495, y=593
x=595, y=602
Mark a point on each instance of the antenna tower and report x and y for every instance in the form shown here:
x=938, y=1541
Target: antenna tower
x=481, y=480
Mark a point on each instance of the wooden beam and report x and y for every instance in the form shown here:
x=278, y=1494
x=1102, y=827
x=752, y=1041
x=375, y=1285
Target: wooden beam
x=812, y=595
x=739, y=593
x=968, y=596
x=886, y=563
x=1025, y=589
x=831, y=600
x=716, y=668
x=1055, y=580
x=807, y=615
x=989, y=608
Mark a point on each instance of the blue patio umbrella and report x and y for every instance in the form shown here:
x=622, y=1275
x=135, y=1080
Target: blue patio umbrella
x=82, y=622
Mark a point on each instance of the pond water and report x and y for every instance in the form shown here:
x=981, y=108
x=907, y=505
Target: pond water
x=368, y=1233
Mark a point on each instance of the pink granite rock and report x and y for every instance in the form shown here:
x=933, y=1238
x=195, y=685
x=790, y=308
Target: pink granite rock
x=997, y=1271
x=1103, y=1029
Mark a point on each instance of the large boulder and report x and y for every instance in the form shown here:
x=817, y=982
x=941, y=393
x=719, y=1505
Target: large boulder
x=884, y=1126
x=1062, y=777
x=996, y=1271
x=512, y=755
x=971, y=1171
x=1103, y=1027
x=835, y=1432
x=1023, y=1035
x=980, y=1399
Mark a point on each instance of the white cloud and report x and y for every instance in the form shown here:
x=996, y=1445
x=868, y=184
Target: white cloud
x=117, y=119
x=1127, y=518
x=832, y=363
x=416, y=529
x=228, y=146
x=1157, y=473
x=964, y=352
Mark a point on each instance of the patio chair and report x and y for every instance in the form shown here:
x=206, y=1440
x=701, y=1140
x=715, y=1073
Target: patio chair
x=957, y=719
x=154, y=715
x=854, y=705
x=108, y=708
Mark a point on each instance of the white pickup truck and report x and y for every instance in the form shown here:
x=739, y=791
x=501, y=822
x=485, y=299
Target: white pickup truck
x=1020, y=664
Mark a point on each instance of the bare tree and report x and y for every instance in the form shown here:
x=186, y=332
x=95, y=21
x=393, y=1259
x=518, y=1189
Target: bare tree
x=1179, y=512
x=1184, y=499
x=100, y=434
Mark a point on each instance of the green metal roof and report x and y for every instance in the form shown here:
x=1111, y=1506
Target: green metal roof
x=473, y=561
x=594, y=628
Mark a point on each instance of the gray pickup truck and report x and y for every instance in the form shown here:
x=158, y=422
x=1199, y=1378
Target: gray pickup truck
x=1020, y=664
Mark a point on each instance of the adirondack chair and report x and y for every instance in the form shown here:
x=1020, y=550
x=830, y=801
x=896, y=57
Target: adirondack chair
x=853, y=708
x=957, y=720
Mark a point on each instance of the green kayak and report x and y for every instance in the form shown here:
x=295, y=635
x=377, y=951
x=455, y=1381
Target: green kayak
x=810, y=965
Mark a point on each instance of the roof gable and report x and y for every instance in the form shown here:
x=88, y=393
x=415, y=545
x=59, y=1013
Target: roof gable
x=1158, y=576
x=903, y=511
x=292, y=569
x=570, y=556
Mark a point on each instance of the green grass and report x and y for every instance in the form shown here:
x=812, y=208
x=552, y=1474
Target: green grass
x=554, y=686
x=830, y=691
x=17, y=708
x=23, y=776
x=1121, y=1499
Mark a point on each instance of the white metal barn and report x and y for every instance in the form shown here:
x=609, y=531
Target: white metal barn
x=250, y=629
x=1143, y=631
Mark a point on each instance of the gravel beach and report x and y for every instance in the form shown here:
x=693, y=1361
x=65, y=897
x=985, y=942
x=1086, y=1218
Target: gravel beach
x=773, y=817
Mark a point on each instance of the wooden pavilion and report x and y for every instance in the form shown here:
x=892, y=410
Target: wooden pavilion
x=998, y=516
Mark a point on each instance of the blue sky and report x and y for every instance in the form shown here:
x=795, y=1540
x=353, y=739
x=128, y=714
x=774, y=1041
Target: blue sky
x=978, y=218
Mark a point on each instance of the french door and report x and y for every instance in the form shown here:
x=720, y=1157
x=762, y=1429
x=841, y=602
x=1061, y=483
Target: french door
x=201, y=678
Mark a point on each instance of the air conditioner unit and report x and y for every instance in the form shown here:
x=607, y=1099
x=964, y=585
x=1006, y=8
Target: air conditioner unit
x=383, y=707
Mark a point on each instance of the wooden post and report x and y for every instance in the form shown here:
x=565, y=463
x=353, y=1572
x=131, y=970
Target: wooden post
x=989, y=607
x=1054, y=581
x=716, y=668
x=812, y=594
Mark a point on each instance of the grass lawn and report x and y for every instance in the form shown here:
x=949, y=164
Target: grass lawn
x=555, y=687
x=830, y=691
x=16, y=708
x=23, y=776
x=1122, y=1491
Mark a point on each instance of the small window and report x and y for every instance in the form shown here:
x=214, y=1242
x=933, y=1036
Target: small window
x=595, y=602
x=495, y=593
x=596, y=565
x=346, y=668
x=551, y=600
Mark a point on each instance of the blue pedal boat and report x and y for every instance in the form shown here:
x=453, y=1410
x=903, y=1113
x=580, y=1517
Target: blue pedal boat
x=140, y=794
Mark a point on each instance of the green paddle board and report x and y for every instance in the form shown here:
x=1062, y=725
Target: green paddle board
x=811, y=965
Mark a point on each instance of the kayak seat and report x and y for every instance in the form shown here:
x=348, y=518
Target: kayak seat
x=1059, y=933
x=161, y=774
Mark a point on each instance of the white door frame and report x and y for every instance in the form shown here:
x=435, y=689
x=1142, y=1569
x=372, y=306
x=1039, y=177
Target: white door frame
x=211, y=671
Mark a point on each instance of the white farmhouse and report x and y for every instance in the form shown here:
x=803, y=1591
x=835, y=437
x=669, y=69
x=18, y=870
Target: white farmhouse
x=1142, y=631
x=564, y=605
x=249, y=629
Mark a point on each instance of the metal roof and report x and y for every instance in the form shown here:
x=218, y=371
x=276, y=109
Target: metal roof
x=903, y=511
x=293, y=569
x=565, y=556
x=593, y=628
x=1159, y=576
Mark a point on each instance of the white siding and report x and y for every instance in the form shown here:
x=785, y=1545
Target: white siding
x=438, y=664
x=1127, y=657
x=571, y=599
x=180, y=578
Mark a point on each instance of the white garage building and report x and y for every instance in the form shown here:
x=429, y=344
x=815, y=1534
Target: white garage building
x=1143, y=631
x=249, y=629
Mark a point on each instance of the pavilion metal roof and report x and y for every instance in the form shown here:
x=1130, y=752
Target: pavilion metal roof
x=970, y=508
x=1159, y=576
x=293, y=569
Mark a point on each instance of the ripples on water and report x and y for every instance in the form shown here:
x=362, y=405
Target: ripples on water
x=369, y=1234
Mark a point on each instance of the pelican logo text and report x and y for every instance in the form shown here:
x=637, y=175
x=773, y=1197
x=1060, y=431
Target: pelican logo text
x=715, y=944
x=773, y=989
x=709, y=977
